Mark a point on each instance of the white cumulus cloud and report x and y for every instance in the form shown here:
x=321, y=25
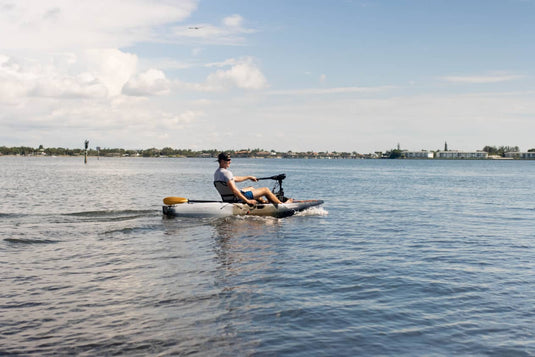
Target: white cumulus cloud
x=64, y=24
x=89, y=74
x=151, y=82
x=242, y=74
x=112, y=67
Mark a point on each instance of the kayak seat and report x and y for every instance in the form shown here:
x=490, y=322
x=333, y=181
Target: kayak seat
x=226, y=193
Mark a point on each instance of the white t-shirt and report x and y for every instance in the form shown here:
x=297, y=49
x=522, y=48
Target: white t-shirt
x=223, y=175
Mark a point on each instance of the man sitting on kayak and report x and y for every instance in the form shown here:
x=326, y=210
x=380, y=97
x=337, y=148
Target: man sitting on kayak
x=225, y=183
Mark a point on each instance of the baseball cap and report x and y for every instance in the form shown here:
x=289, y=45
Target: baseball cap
x=223, y=156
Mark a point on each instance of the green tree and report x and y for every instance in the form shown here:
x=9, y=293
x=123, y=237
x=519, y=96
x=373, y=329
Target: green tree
x=503, y=149
x=167, y=151
x=491, y=150
x=500, y=151
x=395, y=154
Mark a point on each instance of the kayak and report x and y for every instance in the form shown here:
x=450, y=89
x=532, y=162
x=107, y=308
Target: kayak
x=206, y=209
x=183, y=207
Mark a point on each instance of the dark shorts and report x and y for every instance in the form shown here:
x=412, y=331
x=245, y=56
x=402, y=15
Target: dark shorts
x=248, y=194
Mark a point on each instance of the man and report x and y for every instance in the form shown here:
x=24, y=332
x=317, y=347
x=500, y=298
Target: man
x=225, y=182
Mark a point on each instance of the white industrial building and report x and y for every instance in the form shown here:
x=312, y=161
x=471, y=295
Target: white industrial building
x=454, y=154
x=424, y=154
x=521, y=155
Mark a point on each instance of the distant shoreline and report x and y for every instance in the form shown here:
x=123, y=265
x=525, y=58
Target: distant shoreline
x=272, y=158
x=488, y=153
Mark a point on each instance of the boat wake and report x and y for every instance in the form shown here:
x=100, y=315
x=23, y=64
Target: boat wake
x=30, y=241
x=313, y=211
x=47, y=228
x=110, y=215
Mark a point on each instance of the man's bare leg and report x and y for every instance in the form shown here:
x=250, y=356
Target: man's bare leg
x=264, y=191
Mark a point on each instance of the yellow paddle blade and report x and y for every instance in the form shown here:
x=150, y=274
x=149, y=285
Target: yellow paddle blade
x=174, y=200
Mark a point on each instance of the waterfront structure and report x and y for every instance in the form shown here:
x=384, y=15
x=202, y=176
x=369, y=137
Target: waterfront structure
x=424, y=154
x=454, y=154
x=521, y=155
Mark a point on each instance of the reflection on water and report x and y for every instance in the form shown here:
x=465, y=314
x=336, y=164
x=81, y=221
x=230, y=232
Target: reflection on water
x=245, y=249
x=235, y=260
x=241, y=242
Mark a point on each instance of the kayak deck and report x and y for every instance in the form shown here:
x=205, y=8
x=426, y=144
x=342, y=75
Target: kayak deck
x=224, y=209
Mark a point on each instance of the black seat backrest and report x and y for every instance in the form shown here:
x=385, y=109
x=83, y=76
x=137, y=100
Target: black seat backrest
x=226, y=193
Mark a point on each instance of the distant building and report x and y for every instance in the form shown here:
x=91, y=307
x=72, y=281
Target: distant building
x=424, y=154
x=263, y=154
x=521, y=155
x=242, y=153
x=454, y=154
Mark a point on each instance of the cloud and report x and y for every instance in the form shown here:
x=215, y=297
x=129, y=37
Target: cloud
x=179, y=121
x=112, y=67
x=83, y=85
x=62, y=71
x=493, y=78
x=243, y=74
x=365, y=123
x=88, y=74
x=14, y=83
x=22, y=79
x=151, y=82
x=126, y=121
x=234, y=21
x=68, y=25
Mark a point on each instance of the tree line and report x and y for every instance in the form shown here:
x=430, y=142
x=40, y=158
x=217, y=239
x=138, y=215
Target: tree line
x=60, y=151
x=165, y=152
x=151, y=152
x=171, y=152
x=500, y=151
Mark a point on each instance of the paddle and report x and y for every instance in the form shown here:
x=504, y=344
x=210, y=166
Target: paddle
x=178, y=200
x=174, y=200
x=169, y=201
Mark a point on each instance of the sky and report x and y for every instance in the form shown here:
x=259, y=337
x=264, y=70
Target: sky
x=299, y=75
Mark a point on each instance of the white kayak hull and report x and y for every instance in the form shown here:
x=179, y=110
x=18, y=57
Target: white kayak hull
x=224, y=209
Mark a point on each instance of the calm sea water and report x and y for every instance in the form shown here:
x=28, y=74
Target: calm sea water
x=405, y=258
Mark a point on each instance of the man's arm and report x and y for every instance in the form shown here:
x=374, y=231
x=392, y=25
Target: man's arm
x=238, y=193
x=245, y=178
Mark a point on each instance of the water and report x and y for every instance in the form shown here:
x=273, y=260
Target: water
x=405, y=258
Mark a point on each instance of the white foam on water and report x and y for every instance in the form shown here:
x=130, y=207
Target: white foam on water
x=313, y=211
